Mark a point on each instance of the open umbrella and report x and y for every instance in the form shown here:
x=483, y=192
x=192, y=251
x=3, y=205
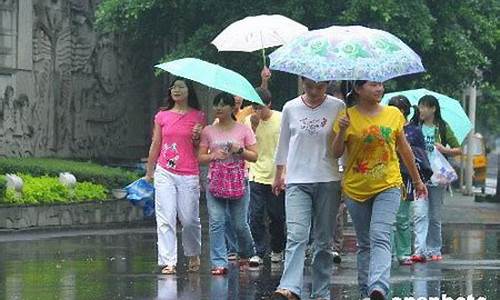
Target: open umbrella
x=258, y=32
x=451, y=110
x=212, y=75
x=346, y=53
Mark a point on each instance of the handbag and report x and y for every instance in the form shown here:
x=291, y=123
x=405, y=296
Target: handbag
x=227, y=179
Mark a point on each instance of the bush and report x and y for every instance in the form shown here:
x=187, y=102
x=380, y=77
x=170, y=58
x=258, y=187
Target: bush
x=48, y=190
x=83, y=171
x=86, y=191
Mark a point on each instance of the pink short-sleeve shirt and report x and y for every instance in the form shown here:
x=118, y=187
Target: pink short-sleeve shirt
x=178, y=154
x=214, y=138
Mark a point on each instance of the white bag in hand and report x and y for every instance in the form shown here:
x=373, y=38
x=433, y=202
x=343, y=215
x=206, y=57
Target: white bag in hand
x=443, y=172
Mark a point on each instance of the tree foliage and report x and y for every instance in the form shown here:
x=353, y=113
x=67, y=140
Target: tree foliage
x=457, y=39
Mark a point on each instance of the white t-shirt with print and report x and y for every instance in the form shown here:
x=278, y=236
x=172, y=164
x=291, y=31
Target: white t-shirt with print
x=305, y=144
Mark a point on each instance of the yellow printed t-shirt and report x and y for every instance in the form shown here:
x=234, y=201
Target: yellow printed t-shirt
x=267, y=135
x=372, y=162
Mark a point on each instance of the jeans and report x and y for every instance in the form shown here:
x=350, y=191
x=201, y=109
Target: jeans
x=238, y=210
x=338, y=237
x=373, y=220
x=427, y=218
x=402, y=232
x=230, y=234
x=176, y=196
x=304, y=203
x=262, y=201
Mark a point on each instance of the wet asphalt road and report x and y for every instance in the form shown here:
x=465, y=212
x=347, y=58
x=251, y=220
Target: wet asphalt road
x=121, y=264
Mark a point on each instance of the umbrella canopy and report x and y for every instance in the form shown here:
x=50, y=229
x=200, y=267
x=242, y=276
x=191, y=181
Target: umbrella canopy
x=213, y=76
x=347, y=53
x=258, y=32
x=451, y=110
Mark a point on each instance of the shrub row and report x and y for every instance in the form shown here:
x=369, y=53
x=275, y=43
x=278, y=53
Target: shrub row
x=48, y=190
x=83, y=171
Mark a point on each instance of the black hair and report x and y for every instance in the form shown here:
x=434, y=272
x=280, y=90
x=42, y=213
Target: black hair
x=402, y=103
x=431, y=101
x=351, y=96
x=264, y=94
x=333, y=88
x=192, y=97
x=226, y=99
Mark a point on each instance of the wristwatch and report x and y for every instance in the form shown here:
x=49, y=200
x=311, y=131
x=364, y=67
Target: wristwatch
x=240, y=151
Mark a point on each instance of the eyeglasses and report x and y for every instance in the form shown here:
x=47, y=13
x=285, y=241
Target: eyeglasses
x=178, y=87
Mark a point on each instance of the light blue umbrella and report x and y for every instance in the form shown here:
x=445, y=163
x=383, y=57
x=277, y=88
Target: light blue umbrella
x=451, y=110
x=213, y=76
x=346, y=53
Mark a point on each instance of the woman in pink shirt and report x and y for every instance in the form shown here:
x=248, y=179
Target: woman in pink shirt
x=226, y=146
x=176, y=136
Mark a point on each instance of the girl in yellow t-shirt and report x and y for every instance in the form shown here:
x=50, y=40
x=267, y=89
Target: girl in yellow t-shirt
x=371, y=134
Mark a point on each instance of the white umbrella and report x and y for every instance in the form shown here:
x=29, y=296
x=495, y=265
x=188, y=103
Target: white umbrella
x=257, y=33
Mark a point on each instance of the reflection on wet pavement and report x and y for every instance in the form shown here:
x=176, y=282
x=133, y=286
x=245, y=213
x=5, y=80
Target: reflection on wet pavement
x=121, y=264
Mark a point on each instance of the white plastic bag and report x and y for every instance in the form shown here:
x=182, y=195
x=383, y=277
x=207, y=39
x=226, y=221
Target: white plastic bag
x=443, y=172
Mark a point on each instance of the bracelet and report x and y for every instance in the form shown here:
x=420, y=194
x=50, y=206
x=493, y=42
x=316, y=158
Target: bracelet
x=240, y=151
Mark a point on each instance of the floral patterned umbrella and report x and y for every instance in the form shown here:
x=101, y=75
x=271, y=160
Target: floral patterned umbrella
x=347, y=53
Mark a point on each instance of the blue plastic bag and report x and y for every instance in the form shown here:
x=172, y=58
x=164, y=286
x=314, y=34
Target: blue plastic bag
x=141, y=193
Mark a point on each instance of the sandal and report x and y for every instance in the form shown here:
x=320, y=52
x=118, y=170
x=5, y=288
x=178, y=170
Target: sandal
x=168, y=270
x=219, y=271
x=284, y=294
x=194, y=264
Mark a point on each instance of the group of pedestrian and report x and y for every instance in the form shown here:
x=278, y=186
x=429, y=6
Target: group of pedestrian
x=285, y=167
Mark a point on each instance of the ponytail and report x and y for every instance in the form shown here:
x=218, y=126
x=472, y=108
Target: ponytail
x=415, y=120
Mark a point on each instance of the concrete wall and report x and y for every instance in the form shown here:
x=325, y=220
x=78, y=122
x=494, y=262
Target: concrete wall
x=91, y=213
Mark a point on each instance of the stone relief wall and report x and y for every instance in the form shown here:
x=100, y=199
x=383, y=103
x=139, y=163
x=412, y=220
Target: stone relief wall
x=81, y=95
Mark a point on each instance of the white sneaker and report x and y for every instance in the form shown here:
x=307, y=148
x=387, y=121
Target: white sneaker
x=255, y=261
x=276, y=257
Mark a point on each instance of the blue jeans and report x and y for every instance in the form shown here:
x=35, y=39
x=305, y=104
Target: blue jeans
x=373, y=220
x=304, y=203
x=427, y=218
x=262, y=202
x=231, y=238
x=238, y=210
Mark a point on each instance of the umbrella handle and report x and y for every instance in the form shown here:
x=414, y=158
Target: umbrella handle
x=264, y=57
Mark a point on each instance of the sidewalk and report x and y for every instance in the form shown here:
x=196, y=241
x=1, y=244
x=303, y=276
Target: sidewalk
x=460, y=209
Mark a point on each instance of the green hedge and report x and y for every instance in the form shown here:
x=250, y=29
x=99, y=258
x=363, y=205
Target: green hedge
x=83, y=171
x=48, y=190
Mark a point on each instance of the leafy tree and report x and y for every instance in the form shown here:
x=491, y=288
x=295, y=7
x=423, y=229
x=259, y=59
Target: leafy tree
x=457, y=39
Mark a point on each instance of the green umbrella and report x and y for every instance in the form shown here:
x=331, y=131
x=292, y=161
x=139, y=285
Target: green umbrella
x=451, y=110
x=213, y=76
